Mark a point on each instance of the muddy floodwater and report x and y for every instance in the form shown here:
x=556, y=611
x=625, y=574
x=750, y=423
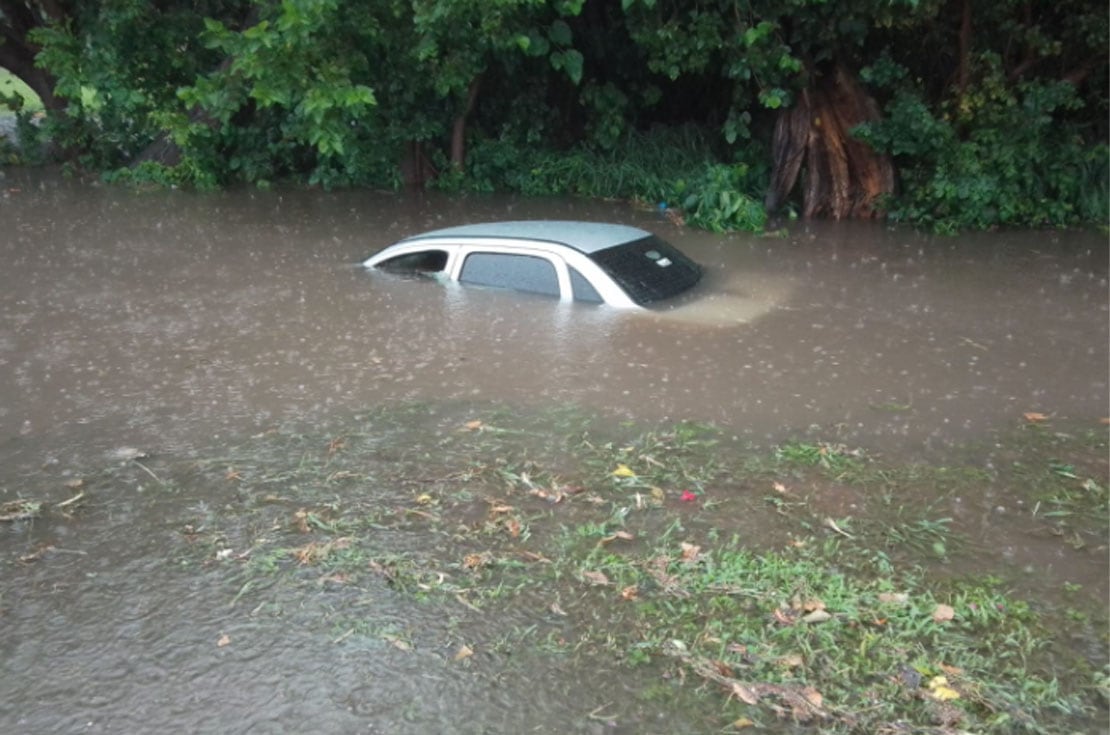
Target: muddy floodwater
x=175, y=325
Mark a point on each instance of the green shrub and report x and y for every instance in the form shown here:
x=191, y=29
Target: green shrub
x=1002, y=155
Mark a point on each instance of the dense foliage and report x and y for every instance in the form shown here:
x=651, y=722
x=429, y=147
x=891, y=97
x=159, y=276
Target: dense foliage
x=994, y=113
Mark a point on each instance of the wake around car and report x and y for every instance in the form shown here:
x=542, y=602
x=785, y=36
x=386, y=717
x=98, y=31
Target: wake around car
x=590, y=262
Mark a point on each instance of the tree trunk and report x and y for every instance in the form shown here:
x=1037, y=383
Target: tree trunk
x=416, y=168
x=458, y=130
x=964, y=75
x=843, y=177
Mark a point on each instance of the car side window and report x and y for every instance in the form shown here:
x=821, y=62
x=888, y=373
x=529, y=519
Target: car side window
x=422, y=261
x=519, y=272
x=583, y=289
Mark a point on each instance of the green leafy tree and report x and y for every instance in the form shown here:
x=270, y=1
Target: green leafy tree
x=991, y=113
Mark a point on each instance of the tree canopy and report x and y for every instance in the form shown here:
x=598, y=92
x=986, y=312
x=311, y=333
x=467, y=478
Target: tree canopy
x=952, y=113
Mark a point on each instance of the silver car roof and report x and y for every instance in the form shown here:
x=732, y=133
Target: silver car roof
x=586, y=237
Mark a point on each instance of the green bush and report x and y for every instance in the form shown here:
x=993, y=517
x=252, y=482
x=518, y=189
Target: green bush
x=1002, y=155
x=675, y=167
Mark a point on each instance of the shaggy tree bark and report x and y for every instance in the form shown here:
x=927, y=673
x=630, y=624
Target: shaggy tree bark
x=842, y=177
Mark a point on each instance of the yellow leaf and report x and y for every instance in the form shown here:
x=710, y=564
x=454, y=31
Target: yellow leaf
x=1033, y=417
x=945, y=693
x=464, y=652
x=742, y=723
x=939, y=689
x=472, y=425
x=623, y=471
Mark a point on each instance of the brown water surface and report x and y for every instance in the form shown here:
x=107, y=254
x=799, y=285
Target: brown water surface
x=173, y=322
x=166, y=319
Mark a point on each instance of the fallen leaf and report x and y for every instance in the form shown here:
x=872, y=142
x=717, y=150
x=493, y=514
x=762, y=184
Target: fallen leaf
x=630, y=592
x=472, y=425
x=464, y=652
x=657, y=494
x=623, y=470
x=742, y=723
x=744, y=694
x=792, y=661
x=513, y=527
x=424, y=499
x=943, y=613
x=894, y=598
x=813, y=696
x=477, y=561
x=619, y=535
x=1033, y=417
x=496, y=509
x=690, y=552
x=939, y=689
x=75, y=484
x=831, y=524
x=817, y=616
x=225, y=640
x=399, y=643
x=779, y=487
x=595, y=578
x=782, y=617
x=813, y=604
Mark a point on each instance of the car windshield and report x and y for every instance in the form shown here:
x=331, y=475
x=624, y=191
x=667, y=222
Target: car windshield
x=649, y=269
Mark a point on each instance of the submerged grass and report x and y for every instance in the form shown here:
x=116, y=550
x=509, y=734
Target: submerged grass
x=809, y=583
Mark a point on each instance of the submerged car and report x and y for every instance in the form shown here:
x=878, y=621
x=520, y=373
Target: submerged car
x=592, y=262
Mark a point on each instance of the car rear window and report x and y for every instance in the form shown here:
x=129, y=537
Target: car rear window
x=649, y=269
